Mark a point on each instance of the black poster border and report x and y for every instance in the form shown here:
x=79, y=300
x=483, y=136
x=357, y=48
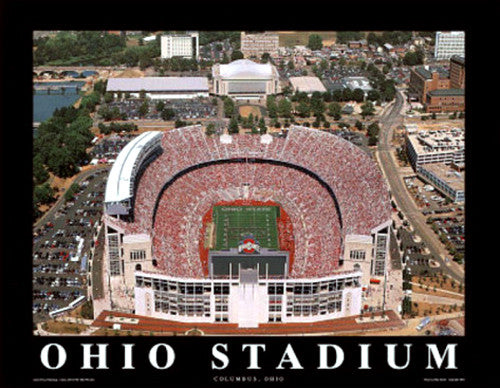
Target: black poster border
x=20, y=364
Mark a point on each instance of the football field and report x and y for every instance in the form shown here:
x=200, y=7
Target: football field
x=234, y=223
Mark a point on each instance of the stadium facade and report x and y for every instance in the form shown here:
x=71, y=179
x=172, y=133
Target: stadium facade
x=245, y=79
x=333, y=220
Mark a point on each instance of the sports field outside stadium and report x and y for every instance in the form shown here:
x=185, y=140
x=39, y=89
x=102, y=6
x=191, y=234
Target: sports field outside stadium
x=233, y=223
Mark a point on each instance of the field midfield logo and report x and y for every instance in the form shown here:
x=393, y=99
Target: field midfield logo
x=249, y=245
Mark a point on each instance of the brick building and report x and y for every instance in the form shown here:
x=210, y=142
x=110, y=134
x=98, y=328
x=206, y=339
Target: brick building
x=457, y=72
x=424, y=79
x=445, y=100
x=437, y=89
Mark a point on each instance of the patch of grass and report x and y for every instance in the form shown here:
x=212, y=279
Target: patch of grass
x=301, y=38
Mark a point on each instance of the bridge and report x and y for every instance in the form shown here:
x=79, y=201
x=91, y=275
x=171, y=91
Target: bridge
x=39, y=70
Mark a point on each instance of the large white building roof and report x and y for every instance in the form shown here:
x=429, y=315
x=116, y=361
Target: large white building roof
x=157, y=84
x=118, y=187
x=357, y=83
x=307, y=84
x=245, y=68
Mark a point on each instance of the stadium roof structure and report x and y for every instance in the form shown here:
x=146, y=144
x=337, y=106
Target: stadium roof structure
x=307, y=84
x=157, y=84
x=245, y=68
x=121, y=176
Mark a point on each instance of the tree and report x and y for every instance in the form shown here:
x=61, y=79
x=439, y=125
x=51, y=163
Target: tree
x=210, y=129
x=61, y=162
x=272, y=108
x=413, y=58
x=108, y=97
x=160, y=105
x=70, y=193
x=346, y=94
x=233, y=125
x=291, y=65
x=346, y=36
x=323, y=65
x=235, y=55
x=229, y=107
x=179, y=123
x=335, y=110
x=372, y=39
x=358, y=95
x=315, y=42
x=317, y=104
x=373, y=130
x=266, y=57
x=285, y=108
x=40, y=173
x=144, y=108
x=104, y=129
x=262, y=125
x=337, y=95
x=167, y=114
x=43, y=194
x=373, y=95
x=287, y=90
x=303, y=109
x=359, y=125
x=367, y=109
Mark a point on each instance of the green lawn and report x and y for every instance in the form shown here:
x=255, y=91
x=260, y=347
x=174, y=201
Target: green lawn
x=233, y=223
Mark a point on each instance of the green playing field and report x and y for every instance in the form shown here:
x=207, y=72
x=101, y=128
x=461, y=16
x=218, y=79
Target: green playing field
x=233, y=223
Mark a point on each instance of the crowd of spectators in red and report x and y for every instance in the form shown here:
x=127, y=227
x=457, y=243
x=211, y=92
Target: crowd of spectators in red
x=358, y=185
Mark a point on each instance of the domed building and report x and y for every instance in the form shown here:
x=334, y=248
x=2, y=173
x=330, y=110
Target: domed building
x=245, y=79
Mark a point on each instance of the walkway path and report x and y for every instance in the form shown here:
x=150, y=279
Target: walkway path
x=441, y=290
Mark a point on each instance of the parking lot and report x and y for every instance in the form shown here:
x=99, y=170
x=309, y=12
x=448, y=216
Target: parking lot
x=110, y=147
x=429, y=199
x=210, y=52
x=453, y=229
x=201, y=108
x=444, y=217
x=62, y=248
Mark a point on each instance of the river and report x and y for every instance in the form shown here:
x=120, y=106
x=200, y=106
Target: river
x=45, y=102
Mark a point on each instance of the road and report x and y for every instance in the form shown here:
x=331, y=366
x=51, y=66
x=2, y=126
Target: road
x=391, y=118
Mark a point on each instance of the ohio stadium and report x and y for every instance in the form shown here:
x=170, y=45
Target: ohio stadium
x=245, y=229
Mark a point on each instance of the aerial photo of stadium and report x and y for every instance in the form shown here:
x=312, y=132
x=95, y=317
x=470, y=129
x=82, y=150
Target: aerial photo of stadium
x=245, y=229
x=238, y=183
